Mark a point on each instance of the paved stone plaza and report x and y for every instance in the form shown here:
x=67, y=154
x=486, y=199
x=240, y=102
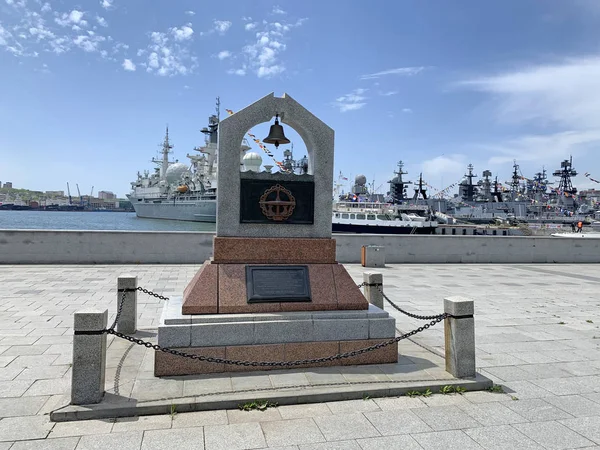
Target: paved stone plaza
x=536, y=334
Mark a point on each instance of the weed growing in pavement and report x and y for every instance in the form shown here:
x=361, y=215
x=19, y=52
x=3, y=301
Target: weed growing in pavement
x=448, y=389
x=496, y=388
x=173, y=411
x=260, y=405
x=425, y=393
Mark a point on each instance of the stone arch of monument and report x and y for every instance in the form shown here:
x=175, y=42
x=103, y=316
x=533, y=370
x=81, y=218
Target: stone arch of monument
x=273, y=257
x=319, y=141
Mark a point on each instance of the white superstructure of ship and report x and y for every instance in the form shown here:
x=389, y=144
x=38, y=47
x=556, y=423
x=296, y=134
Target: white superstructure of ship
x=177, y=191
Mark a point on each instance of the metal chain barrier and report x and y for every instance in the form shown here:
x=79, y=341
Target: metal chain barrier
x=234, y=362
x=120, y=309
x=153, y=294
x=397, y=308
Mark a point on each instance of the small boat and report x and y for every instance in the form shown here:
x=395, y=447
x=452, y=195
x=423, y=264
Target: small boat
x=378, y=218
x=577, y=235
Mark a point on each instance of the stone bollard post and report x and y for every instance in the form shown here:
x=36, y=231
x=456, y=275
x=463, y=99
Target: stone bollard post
x=374, y=280
x=459, y=333
x=89, y=357
x=127, y=323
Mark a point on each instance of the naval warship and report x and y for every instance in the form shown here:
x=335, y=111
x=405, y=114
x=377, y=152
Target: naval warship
x=177, y=191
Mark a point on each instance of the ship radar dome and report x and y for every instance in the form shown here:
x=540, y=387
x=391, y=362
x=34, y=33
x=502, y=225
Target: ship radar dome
x=361, y=180
x=252, y=161
x=175, y=172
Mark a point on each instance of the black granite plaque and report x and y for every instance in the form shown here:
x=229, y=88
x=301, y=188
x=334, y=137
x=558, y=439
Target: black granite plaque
x=277, y=201
x=267, y=284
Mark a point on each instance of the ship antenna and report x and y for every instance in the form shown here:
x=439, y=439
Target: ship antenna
x=218, y=108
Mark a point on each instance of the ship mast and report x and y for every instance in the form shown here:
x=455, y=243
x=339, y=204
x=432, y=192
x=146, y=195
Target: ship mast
x=566, y=190
x=469, y=190
x=565, y=173
x=515, y=181
x=420, y=190
x=398, y=185
x=164, y=162
x=218, y=109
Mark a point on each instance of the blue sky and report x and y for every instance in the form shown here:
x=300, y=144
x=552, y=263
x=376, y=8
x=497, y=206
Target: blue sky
x=86, y=88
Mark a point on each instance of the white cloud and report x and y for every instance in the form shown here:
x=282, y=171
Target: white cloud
x=566, y=94
x=450, y=167
x=269, y=71
x=190, y=13
x=263, y=56
x=407, y=71
x=239, y=72
x=41, y=33
x=389, y=93
x=278, y=10
x=352, y=101
x=169, y=53
x=88, y=43
x=101, y=21
x=17, y=3
x=73, y=19
x=407, y=110
x=4, y=35
x=128, y=65
x=561, y=99
x=106, y=4
x=46, y=7
x=224, y=54
x=75, y=16
x=184, y=33
x=221, y=26
x=60, y=45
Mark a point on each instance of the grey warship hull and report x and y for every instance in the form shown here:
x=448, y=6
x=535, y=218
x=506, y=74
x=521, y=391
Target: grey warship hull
x=190, y=210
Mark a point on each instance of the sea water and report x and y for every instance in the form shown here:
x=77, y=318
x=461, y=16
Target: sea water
x=88, y=220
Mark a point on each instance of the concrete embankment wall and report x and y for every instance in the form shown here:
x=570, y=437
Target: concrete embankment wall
x=150, y=247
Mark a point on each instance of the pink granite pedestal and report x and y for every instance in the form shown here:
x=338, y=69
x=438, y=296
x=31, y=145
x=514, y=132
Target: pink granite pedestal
x=219, y=288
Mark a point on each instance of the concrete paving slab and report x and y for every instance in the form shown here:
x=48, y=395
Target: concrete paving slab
x=503, y=436
x=292, y=432
x=347, y=426
x=82, y=428
x=123, y=441
x=446, y=440
x=200, y=419
x=402, y=442
x=192, y=438
x=446, y=418
x=21, y=428
x=397, y=422
x=520, y=323
x=553, y=435
x=234, y=437
x=68, y=443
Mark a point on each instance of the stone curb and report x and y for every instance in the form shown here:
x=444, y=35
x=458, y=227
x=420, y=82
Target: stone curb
x=110, y=408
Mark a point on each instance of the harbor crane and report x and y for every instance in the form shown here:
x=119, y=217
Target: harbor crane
x=79, y=193
x=69, y=193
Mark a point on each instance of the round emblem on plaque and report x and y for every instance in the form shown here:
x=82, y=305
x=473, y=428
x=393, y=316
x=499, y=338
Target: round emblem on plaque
x=277, y=203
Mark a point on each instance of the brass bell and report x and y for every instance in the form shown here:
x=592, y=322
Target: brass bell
x=276, y=135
